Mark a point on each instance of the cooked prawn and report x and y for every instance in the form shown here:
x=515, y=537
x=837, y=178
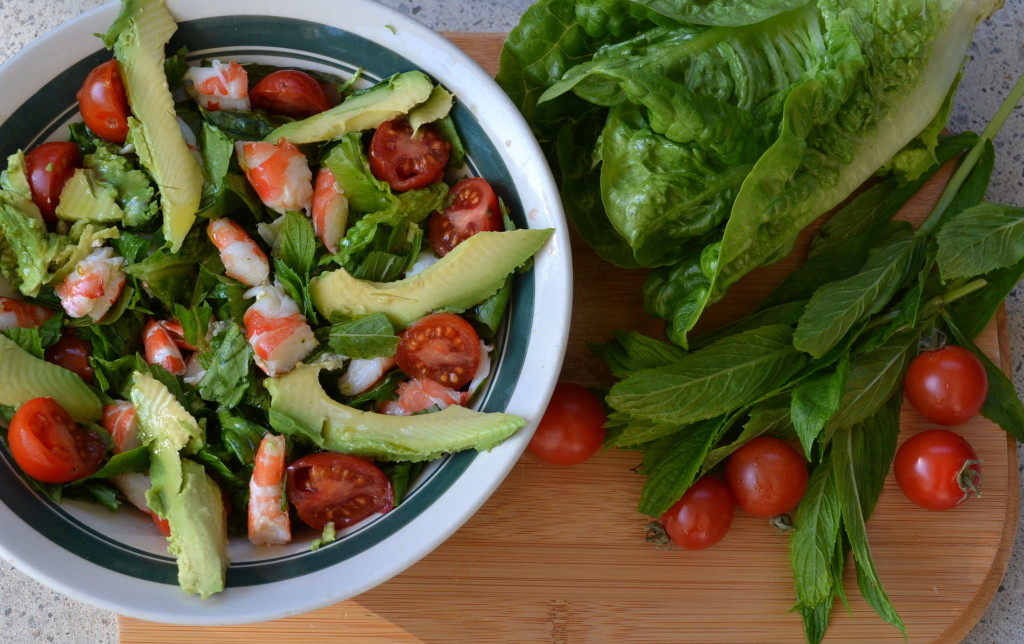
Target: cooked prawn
x=361, y=374
x=119, y=420
x=22, y=314
x=219, y=86
x=279, y=173
x=276, y=331
x=242, y=258
x=417, y=395
x=178, y=334
x=93, y=286
x=268, y=519
x=329, y=210
x=161, y=349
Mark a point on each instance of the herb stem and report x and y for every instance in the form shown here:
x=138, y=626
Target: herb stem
x=962, y=291
x=939, y=302
x=971, y=159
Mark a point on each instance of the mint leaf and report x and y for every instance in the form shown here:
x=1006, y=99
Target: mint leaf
x=372, y=336
x=874, y=377
x=769, y=417
x=671, y=465
x=1002, y=405
x=241, y=437
x=815, y=400
x=712, y=381
x=851, y=497
x=979, y=240
x=630, y=352
x=297, y=243
x=195, y=323
x=816, y=537
x=837, y=307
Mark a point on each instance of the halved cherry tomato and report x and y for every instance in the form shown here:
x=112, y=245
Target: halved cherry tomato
x=104, y=103
x=72, y=353
x=937, y=469
x=441, y=347
x=572, y=427
x=49, y=166
x=947, y=386
x=766, y=476
x=702, y=517
x=291, y=93
x=472, y=208
x=50, y=446
x=330, y=487
x=405, y=161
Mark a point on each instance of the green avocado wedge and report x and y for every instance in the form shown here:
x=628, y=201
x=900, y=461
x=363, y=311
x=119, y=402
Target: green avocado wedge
x=364, y=110
x=301, y=408
x=466, y=276
x=24, y=377
x=182, y=492
x=138, y=37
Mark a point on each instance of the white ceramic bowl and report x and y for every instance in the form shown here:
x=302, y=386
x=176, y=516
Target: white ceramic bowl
x=115, y=560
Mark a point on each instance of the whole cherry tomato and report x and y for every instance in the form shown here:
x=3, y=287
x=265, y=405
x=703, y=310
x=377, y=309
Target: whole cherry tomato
x=766, y=476
x=946, y=386
x=702, y=517
x=937, y=469
x=291, y=93
x=572, y=428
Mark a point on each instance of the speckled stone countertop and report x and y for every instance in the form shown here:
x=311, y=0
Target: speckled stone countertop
x=30, y=612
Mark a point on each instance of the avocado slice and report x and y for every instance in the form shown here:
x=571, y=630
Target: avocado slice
x=84, y=199
x=364, y=110
x=473, y=271
x=199, y=532
x=162, y=419
x=300, y=407
x=436, y=107
x=24, y=377
x=182, y=492
x=142, y=30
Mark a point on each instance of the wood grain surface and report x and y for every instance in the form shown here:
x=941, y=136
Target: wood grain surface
x=558, y=555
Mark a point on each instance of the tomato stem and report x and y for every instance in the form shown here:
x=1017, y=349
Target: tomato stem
x=934, y=340
x=783, y=522
x=654, y=533
x=970, y=478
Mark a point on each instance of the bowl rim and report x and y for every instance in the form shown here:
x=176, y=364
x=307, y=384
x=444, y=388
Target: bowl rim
x=552, y=272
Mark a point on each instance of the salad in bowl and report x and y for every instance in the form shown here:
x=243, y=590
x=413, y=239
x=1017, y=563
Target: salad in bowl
x=267, y=310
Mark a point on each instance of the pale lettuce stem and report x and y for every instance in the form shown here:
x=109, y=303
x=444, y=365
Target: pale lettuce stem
x=971, y=159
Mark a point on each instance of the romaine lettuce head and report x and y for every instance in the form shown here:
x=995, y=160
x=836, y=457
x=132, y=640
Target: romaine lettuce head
x=725, y=13
x=732, y=125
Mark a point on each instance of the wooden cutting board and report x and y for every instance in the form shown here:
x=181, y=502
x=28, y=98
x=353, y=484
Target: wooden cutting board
x=558, y=554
